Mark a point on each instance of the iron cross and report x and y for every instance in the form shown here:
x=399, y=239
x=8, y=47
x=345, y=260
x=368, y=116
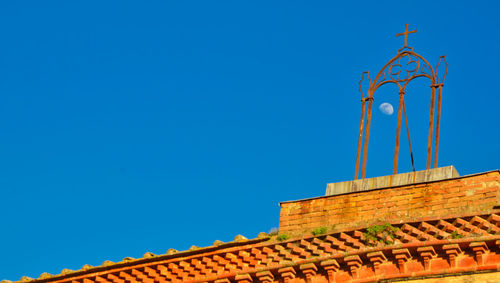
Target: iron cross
x=406, y=33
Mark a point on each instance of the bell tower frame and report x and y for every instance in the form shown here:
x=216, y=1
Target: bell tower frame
x=400, y=70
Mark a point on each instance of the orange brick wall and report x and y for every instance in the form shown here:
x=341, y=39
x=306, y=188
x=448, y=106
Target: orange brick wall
x=489, y=277
x=465, y=195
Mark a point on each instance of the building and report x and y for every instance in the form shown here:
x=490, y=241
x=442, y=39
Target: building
x=424, y=226
x=439, y=228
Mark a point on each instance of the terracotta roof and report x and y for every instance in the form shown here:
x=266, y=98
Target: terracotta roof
x=343, y=249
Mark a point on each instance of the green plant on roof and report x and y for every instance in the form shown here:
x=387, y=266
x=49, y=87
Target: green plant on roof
x=283, y=237
x=319, y=231
x=384, y=234
x=455, y=235
x=273, y=231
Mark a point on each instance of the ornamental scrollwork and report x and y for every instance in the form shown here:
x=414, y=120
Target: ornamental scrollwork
x=403, y=68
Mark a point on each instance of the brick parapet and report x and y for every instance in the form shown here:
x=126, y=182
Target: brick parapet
x=478, y=193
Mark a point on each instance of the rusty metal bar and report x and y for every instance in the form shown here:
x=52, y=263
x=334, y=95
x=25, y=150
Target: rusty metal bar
x=390, y=73
x=431, y=127
x=406, y=33
x=409, y=139
x=438, y=123
x=398, y=132
x=360, y=136
x=367, y=134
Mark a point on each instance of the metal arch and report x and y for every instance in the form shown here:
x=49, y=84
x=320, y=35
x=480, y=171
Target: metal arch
x=417, y=66
x=411, y=74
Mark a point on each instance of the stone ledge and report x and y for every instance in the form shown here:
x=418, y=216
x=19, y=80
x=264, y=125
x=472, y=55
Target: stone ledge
x=402, y=179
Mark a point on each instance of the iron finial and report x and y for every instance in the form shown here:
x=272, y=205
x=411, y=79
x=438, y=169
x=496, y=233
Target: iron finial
x=406, y=33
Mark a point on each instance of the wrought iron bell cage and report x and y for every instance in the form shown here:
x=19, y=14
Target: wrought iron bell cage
x=397, y=72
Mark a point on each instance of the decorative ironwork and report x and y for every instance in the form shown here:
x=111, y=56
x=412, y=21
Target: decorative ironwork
x=406, y=33
x=401, y=70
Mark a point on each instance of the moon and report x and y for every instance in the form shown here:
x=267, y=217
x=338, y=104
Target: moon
x=386, y=108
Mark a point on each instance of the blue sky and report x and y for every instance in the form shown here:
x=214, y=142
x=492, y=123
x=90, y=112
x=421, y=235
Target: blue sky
x=136, y=126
